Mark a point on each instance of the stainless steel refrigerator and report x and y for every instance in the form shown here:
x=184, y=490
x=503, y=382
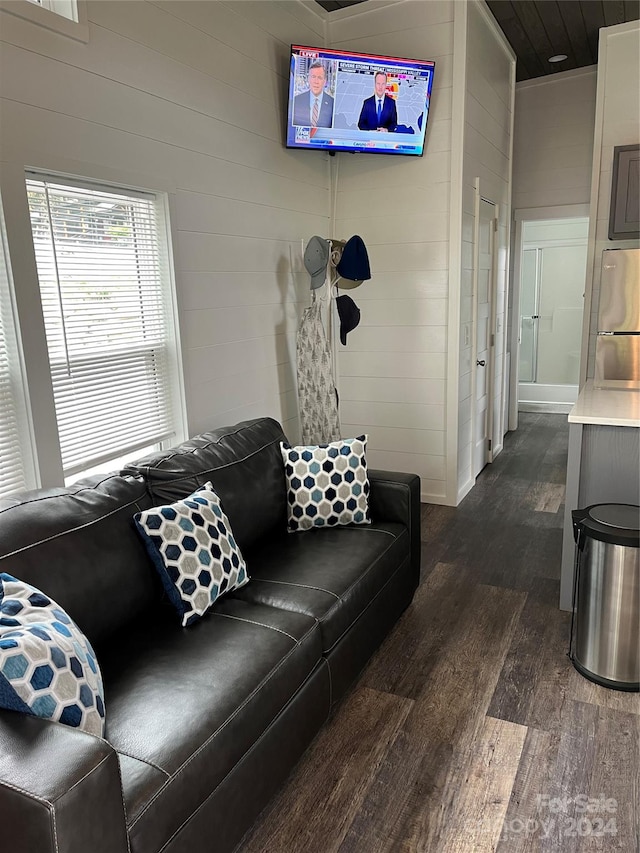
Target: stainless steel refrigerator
x=618, y=341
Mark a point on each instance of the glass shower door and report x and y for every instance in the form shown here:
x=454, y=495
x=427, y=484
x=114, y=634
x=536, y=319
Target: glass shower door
x=528, y=315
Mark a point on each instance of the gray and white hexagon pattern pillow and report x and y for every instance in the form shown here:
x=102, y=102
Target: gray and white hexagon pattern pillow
x=327, y=484
x=191, y=545
x=47, y=666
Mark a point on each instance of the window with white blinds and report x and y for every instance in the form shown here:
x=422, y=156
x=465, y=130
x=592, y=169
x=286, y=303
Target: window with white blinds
x=14, y=432
x=103, y=273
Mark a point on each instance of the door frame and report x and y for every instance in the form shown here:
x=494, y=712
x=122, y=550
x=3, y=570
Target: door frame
x=527, y=214
x=493, y=286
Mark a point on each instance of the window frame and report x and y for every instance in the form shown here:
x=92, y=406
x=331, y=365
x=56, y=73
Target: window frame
x=15, y=357
x=76, y=28
x=176, y=377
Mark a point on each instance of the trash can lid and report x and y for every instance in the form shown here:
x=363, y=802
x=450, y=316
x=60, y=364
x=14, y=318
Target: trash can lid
x=618, y=524
x=624, y=516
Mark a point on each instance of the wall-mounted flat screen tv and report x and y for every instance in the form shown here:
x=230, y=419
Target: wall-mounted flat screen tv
x=357, y=102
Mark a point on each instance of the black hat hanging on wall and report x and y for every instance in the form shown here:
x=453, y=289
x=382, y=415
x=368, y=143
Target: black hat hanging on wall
x=349, y=314
x=353, y=266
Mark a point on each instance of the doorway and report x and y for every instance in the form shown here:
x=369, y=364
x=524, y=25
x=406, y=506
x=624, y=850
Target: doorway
x=552, y=255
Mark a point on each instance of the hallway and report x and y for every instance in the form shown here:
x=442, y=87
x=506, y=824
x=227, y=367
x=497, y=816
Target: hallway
x=470, y=730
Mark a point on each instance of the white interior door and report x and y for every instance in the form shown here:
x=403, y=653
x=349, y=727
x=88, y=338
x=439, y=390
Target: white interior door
x=484, y=342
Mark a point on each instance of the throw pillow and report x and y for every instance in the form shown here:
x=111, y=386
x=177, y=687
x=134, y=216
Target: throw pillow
x=327, y=484
x=47, y=666
x=191, y=545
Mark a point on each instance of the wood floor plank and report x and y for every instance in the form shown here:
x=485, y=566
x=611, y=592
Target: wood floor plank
x=330, y=783
x=475, y=807
x=547, y=497
x=577, y=790
x=403, y=665
x=389, y=814
x=528, y=823
x=404, y=808
x=615, y=777
x=452, y=705
x=455, y=696
x=571, y=775
x=524, y=666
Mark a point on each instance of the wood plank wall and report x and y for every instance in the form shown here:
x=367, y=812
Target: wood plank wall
x=188, y=97
x=487, y=156
x=392, y=374
x=553, y=139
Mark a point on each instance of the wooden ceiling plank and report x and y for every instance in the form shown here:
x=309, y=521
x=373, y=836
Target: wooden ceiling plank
x=631, y=10
x=553, y=23
x=574, y=25
x=528, y=64
x=502, y=10
x=530, y=20
x=613, y=12
x=593, y=16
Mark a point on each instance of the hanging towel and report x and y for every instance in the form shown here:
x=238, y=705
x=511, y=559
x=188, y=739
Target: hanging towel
x=317, y=398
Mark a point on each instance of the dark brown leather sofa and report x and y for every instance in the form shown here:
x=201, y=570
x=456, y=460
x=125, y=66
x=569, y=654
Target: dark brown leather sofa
x=204, y=723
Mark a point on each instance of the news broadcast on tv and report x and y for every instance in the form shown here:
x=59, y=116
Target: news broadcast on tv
x=357, y=102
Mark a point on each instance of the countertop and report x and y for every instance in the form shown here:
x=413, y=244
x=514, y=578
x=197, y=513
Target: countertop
x=609, y=406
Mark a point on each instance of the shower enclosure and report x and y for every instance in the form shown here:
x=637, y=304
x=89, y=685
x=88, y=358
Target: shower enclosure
x=552, y=280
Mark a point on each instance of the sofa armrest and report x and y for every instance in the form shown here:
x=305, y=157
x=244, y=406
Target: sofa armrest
x=395, y=496
x=60, y=789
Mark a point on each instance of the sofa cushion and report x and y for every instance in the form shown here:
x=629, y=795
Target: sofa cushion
x=327, y=484
x=331, y=574
x=186, y=704
x=47, y=666
x=80, y=547
x=244, y=465
x=191, y=544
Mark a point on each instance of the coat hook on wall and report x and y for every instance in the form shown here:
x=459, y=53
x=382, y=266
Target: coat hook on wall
x=336, y=249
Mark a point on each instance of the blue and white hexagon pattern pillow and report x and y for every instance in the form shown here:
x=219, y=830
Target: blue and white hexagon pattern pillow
x=327, y=484
x=191, y=545
x=47, y=666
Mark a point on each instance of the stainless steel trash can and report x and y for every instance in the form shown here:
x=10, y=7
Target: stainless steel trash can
x=605, y=629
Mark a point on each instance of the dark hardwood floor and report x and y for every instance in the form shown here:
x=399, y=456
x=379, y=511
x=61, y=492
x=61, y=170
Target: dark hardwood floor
x=470, y=730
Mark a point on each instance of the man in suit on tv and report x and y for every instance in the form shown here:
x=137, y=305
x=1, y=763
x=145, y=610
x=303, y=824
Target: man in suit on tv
x=379, y=111
x=314, y=108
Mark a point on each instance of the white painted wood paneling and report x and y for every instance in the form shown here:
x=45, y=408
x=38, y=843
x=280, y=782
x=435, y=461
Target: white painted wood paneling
x=399, y=339
x=488, y=129
x=553, y=139
x=391, y=364
x=392, y=371
x=416, y=441
x=425, y=416
x=187, y=98
x=394, y=390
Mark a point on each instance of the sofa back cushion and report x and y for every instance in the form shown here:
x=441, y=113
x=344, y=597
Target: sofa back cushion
x=244, y=465
x=80, y=547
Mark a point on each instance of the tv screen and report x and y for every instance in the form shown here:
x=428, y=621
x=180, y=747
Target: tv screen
x=358, y=102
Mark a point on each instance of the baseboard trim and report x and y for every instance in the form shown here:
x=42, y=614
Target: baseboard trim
x=549, y=408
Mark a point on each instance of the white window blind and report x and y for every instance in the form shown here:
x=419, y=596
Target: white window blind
x=103, y=284
x=66, y=8
x=14, y=433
